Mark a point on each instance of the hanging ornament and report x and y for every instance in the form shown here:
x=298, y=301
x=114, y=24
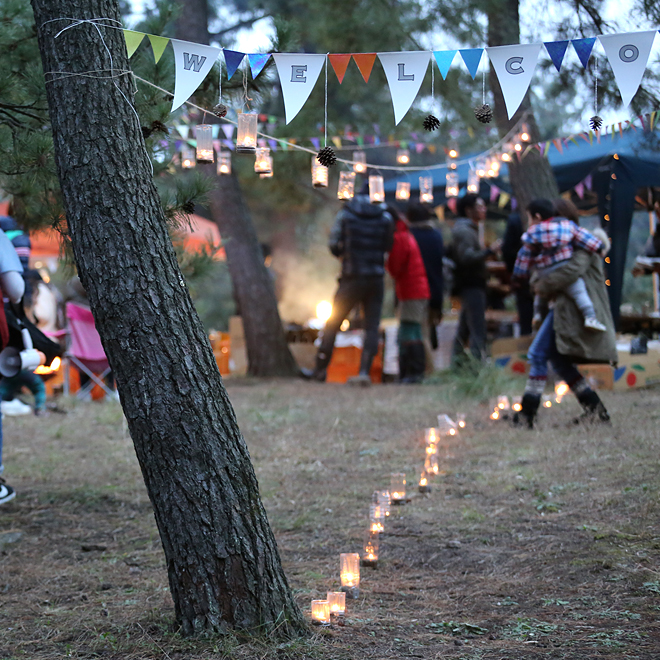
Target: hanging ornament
x=483, y=113
x=326, y=157
x=596, y=122
x=431, y=123
x=220, y=110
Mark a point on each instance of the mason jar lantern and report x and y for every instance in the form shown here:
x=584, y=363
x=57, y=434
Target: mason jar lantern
x=187, y=157
x=346, y=188
x=426, y=189
x=224, y=163
x=246, y=135
x=376, y=189
x=204, y=135
x=319, y=174
x=402, y=190
x=359, y=162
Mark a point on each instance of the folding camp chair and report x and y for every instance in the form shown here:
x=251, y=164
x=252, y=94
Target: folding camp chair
x=85, y=351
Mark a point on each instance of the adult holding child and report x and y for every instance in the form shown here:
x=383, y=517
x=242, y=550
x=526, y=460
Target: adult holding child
x=563, y=338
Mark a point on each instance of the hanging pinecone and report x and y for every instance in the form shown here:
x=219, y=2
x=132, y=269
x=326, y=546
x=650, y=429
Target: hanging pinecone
x=431, y=123
x=484, y=113
x=326, y=157
x=596, y=122
x=220, y=110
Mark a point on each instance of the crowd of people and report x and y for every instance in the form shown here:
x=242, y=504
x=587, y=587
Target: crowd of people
x=556, y=273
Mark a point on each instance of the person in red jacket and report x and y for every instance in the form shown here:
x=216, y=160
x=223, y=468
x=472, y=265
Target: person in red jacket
x=406, y=267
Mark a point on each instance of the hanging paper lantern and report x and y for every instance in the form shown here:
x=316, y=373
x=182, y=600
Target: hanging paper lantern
x=319, y=174
x=376, y=189
x=524, y=133
x=187, y=157
x=426, y=189
x=359, y=162
x=402, y=190
x=326, y=157
x=451, y=187
x=224, y=163
x=246, y=135
x=346, y=188
x=204, y=135
x=473, y=182
x=262, y=163
x=481, y=168
x=403, y=156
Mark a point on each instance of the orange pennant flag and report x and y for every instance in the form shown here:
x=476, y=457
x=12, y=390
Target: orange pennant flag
x=365, y=62
x=339, y=65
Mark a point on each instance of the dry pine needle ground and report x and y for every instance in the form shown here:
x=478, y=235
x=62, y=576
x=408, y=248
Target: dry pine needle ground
x=540, y=544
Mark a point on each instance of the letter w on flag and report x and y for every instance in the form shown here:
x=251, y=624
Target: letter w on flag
x=192, y=64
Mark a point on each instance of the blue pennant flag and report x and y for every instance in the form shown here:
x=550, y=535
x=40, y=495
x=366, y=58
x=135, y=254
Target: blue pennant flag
x=233, y=60
x=444, y=58
x=257, y=62
x=556, y=50
x=583, y=48
x=472, y=58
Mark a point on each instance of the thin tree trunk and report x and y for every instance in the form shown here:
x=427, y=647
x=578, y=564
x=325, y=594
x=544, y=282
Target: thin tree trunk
x=267, y=350
x=531, y=176
x=222, y=560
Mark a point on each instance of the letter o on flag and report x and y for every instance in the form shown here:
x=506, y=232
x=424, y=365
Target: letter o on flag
x=628, y=53
x=514, y=70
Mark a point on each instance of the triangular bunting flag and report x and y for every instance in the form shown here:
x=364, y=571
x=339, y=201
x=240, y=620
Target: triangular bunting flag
x=257, y=62
x=298, y=73
x=472, y=58
x=133, y=40
x=628, y=55
x=556, y=50
x=579, y=190
x=583, y=48
x=514, y=66
x=339, y=65
x=192, y=64
x=158, y=45
x=228, y=130
x=233, y=60
x=405, y=73
x=444, y=58
x=316, y=143
x=365, y=62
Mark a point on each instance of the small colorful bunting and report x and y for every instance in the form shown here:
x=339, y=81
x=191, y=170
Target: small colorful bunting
x=339, y=63
x=257, y=62
x=472, y=59
x=233, y=60
x=133, y=40
x=158, y=45
x=365, y=62
x=556, y=50
x=583, y=48
x=444, y=58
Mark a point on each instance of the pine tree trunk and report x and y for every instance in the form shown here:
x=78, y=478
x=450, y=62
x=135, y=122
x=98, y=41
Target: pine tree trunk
x=222, y=560
x=267, y=350
x=268, y=353
x=531, y=176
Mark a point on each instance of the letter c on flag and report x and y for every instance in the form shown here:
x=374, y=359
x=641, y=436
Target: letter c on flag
x=514, y=70
x=628, y=53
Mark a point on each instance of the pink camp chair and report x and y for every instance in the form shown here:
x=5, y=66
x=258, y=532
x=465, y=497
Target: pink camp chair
x=85, y=351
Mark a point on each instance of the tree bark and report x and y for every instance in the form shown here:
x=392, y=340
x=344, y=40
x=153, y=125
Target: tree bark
x=267, y=350
x=222, y=560
x=531, y=176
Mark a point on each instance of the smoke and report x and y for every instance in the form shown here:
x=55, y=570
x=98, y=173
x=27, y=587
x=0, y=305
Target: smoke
x=302, y=281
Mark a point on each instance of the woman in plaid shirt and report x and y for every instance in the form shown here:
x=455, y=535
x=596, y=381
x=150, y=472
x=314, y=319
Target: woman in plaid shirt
x=547, y=244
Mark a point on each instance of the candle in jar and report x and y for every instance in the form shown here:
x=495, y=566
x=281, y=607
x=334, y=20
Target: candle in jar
x=320, y=612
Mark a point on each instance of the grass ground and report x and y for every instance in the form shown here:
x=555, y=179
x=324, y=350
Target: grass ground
x=540, y=544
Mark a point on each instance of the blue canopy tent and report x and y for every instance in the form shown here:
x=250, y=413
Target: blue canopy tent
x=619, y=165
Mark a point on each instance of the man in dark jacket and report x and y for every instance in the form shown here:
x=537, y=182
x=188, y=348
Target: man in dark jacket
x=470, y=277
x=524, y=299
x=360, y=237
x=432, y=249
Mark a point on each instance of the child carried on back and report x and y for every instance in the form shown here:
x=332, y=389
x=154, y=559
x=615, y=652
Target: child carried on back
x=547, y=244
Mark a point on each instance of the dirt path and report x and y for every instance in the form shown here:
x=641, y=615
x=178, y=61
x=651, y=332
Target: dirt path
x=531, y=545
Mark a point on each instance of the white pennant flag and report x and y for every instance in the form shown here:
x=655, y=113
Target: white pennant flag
x=298, y=74
x=192, y=64
x=628, y=54
x=514, y=66
x=405, y=73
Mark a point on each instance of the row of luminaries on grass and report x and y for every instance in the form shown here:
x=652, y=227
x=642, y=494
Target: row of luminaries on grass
x=333, y=609
x=503, y=406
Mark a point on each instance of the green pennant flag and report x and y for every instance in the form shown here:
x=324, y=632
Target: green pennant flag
x=360, y=141
x=283, y=145
x=133, y=40
x=158, y=45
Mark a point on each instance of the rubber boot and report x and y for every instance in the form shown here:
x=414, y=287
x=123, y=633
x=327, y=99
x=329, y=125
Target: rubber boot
x=363, y=379
x=594, y=410
x=415, y=357
x=530, y=404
